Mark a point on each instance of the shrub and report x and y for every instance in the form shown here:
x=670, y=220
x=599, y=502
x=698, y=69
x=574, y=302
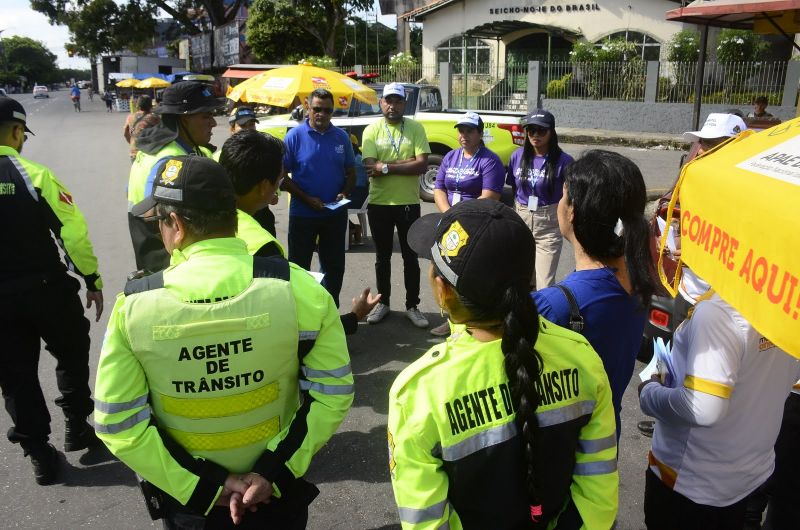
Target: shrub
x=738, y=45
x=557, y=88
x=402, y=65
x=583, y=52
x=684, y=47
x=322, y=61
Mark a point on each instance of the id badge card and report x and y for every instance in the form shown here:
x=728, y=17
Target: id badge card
x=456, y=198
x=533, y=203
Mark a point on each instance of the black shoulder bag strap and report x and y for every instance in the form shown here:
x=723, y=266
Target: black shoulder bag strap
x=575, y=318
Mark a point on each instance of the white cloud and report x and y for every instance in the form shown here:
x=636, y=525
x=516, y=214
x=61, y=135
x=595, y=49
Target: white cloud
x=19, y=19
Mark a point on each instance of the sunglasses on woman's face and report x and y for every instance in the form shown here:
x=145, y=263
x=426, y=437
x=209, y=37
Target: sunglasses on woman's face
x=533, y=130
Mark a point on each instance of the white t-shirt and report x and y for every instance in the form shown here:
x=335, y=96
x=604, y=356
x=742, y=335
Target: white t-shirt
x=715, y=432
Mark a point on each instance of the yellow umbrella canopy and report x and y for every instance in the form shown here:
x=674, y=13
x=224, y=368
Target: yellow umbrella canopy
x=738, y=228
x=279, y=87
x=127, y=83
x=152, y=82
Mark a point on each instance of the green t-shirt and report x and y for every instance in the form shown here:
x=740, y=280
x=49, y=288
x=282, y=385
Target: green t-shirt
x=387, y=142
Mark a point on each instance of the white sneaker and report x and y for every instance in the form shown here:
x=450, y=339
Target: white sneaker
x=378, y=313
x=441, y=330
x=416, y=317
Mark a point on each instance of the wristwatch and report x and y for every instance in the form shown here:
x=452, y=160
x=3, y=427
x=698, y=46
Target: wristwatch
x=385, y=169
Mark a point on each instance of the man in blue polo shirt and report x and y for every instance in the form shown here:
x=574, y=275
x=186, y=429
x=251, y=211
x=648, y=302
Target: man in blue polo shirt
x=320, y=158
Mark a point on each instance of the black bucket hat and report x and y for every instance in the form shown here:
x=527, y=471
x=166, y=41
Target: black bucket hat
x=188, y=97
x=481, y=247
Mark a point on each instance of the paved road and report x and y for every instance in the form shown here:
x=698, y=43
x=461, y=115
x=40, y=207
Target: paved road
x=87, y=152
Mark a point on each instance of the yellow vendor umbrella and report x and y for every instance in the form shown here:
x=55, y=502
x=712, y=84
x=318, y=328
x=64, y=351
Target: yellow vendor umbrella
x=739, y=229
x=279, y=87
x=127, y=83
x=152, y=82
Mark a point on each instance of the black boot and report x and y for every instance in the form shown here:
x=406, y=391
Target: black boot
x=646, y=427
x=79, y=435
x=46, y=462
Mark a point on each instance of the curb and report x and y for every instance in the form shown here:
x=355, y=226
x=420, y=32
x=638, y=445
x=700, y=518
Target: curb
x=623, y=141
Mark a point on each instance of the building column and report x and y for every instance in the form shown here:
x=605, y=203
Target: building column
x=446, y=84
x=534, y=84
x=403, y=35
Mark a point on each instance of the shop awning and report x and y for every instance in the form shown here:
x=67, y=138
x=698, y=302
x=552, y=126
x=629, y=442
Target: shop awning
x=763, y=16
x=237, y=73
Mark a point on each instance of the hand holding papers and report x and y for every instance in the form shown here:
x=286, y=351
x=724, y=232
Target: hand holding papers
x=336, y=204
x=660, y=364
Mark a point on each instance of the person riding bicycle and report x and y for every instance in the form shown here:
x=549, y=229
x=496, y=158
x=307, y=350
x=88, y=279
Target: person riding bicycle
x=75, y=95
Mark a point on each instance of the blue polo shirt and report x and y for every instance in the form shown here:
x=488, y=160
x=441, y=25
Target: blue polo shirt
x=317, y=162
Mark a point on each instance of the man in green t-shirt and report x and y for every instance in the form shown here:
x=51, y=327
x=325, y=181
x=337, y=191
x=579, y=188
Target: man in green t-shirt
x=395, y=151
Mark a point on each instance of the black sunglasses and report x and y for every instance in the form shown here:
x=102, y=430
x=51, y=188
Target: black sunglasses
x=537, y=130
x=325, y=110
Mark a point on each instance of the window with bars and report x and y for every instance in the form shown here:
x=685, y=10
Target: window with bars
x=648, y=48
x=478, y=55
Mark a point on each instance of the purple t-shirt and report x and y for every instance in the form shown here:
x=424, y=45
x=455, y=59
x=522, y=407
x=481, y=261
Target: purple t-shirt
x=535, y=182
x=484, y=171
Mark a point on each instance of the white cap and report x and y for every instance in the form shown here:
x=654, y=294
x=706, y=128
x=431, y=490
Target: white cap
x=394, y=89
x=718, y=126
x=472, y=119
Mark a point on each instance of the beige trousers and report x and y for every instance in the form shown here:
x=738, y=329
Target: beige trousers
x=544, y=225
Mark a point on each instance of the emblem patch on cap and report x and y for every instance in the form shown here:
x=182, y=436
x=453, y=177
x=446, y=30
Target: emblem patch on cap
x=171, y=171
x=453, y=240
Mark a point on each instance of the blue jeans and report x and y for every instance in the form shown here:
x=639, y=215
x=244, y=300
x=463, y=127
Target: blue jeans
x=328, y=234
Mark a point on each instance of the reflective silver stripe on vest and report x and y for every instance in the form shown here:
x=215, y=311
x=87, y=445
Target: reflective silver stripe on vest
x=420, y=515
x=479, y=441
x=25, y=177
x=309, y=335
x=114, y=428
x=113, y=408
x=564, y=414
x=595, y=468
x=331, y=390
x=598, y=444
x=443, y=267
x=336, y=372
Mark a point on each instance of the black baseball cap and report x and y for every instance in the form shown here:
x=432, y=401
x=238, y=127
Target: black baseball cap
x=480, y=246
x=242, y=115
x=189, y=181
x=540, y=117
x=12, y=110
x=188, y=97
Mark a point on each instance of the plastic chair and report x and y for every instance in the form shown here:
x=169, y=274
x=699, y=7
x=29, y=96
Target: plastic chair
x=362, y=219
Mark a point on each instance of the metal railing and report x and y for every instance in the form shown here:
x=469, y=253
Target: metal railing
x=623, y=81
x=736, y=83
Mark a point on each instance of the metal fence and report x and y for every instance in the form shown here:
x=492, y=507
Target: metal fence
x=736, y=83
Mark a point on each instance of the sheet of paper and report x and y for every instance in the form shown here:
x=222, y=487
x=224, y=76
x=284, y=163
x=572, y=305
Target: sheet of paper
x=337, y=204
x=317, y=276
x=670, y=235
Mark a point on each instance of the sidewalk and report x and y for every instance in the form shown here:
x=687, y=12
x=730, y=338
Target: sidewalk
x=621, y=138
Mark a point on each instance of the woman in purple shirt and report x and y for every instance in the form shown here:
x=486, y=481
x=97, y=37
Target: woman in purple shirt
x=536, y=172
x=471, y=172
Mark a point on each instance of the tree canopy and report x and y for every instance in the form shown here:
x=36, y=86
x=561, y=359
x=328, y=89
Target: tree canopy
x=102, y=26
x=22, y=56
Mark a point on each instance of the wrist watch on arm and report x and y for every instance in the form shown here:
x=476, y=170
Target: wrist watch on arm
x=385, y=168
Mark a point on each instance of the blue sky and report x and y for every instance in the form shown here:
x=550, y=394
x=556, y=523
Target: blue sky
x=17, y=18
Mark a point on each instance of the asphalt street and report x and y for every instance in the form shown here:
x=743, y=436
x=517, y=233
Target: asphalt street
x=88, y=154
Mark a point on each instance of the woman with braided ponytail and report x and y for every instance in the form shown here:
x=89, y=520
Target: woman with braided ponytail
x=509, y=423
x=601, y=213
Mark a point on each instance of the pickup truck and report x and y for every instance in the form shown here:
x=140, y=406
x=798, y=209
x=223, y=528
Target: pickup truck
x=502, y=132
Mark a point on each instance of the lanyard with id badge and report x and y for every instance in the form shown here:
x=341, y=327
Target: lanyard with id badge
x=533, y=199
x=395, y=146
x=460, y=173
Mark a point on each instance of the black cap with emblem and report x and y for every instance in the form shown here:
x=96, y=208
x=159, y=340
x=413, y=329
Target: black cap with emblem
x=482, y=247
x=12, y=110
x=188, y=97
x=191, y=182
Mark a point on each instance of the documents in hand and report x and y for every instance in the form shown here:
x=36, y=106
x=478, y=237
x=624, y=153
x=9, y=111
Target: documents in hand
x=660, y=364
x=336, y=204
x=662, y=225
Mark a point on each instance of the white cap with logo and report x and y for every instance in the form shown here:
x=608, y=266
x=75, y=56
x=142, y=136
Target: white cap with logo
x=718, y=125
x=472, y=119
x=394, y=89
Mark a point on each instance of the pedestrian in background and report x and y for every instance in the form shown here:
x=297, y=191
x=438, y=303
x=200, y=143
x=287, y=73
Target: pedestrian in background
x=477, y=436
x=760, y=109
x=40, y=300
x=236, y=422
x=320, y=158
x=395, y=153
x=470, y=172
x=535, y=172
x=109, y=99
x=187, y=121
x=601, y=213
x=138, y=121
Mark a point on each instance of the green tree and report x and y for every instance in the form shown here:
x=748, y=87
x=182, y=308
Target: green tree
x=739, y=45
x=684, y=46
x=275, y=34
x=322, y=20
x=30, y=58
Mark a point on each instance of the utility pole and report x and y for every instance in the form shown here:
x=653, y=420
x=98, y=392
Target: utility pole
x=377, y=41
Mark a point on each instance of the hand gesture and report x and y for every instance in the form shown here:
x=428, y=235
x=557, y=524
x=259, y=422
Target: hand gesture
x=363, y=303
x=96, y=298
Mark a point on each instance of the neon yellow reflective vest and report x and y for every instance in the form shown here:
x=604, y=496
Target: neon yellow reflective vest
x=210, y=352
x=253, y=234
x=34, y=207
x=455, y=454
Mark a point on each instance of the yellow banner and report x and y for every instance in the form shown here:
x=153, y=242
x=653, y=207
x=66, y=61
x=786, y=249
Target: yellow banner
x=739, y=210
